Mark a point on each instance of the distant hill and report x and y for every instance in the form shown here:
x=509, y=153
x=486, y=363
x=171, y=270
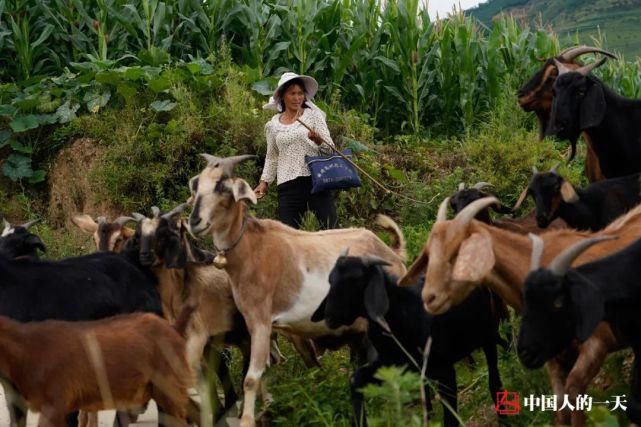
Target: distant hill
x=618, y=20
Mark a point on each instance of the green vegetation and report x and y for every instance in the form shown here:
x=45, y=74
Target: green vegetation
x=616, y=24
x=105, y=105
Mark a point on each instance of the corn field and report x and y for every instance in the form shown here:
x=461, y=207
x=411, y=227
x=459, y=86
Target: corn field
x=387, y=59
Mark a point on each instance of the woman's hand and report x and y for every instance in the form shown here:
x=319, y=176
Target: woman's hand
x=261, y=190
x=314, y=136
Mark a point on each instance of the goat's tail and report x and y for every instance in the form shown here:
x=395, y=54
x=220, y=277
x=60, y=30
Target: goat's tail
x=398, y=240
x=184, y=317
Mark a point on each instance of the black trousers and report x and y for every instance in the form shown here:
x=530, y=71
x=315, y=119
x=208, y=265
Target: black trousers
x=295, y=198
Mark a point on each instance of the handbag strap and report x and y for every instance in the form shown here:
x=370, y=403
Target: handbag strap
x=374, y=180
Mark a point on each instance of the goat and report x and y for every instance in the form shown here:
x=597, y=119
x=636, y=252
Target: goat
x=589, y=208
x=563, y=303
x=60, y=367
x=464, y=253
x=360, y=288
x=523, y=225
x=582, y=103
x=279, y=275
x=185, y=272
x=108, y=236
x=536, y=95
x=18, y=242
x=82, y=288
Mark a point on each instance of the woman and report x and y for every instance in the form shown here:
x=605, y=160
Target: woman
x=288, y=142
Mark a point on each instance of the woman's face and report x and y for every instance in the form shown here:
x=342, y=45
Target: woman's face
x=294, y=97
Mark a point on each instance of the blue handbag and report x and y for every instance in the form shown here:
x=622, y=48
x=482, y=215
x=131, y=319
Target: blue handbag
x=332, y=172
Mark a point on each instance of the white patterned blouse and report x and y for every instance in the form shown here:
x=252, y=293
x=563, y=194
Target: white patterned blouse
x=287, y=146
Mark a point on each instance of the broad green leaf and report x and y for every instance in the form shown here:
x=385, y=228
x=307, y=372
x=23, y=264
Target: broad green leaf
x=95, y=101
x=67, y=112
x=4, y=136
x=165, y=105
x=47, y=119
x=159, y=84
x=7, y=110
x=108, y=77
x=21, y=148
x=17, y=167
x=38, y=176
x=262, y=87
x=134, y=73
x=397, y=174
x=354, y=145
x=24, y=123
x=128, y=91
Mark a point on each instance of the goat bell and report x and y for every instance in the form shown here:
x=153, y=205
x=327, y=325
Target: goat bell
x=220, y=261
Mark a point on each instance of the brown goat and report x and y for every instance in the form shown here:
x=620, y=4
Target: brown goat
x=116, y=363
x=464, y=253
x=108, y=236
x=536, y=95
x=279, y=275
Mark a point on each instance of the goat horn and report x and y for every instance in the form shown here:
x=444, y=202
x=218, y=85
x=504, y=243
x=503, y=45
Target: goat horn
x=230, y=162
x=138, y=216
x=101, y=219
x=176, y=211
x=564, y=260
x=7, y=227
x=371, y=261
x=481, y=185
x=344, y=252
x=521, y=199
x=155, y=210
x=122, y=220
x=555, y=167
x=461, y=186
x=574, y=52
x=534, y=170
x=28, y=224
x=442, y=210
x=469, y=212
x=587, y=69
x=537, y=251
x=211, y=160
x=562, y=67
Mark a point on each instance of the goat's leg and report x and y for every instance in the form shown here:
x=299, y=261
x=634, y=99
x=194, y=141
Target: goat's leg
x=634, y=403
x=494, y=376
x=51, y=417
x=260, y=333
x=215, y=366
x=446, y=376
x=557, y=375
x=16, y=405
x=592, y=354
x=359, y=379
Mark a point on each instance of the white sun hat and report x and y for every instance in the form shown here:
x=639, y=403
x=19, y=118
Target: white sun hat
x=311, y=87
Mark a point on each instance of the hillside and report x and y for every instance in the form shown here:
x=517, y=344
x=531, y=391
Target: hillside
x=618, y=20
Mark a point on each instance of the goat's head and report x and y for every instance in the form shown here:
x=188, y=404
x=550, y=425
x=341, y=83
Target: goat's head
x=548, y=189
x=160, y=239
x=108, y=236
x=537, y=94
x=458, y=258
x=357, y=289
x=19, y=242
x=465, y=196
x=579, y=102
x=216, y=195
x=559, y=304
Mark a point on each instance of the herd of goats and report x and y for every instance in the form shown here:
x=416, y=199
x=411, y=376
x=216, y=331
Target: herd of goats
x=146, y=313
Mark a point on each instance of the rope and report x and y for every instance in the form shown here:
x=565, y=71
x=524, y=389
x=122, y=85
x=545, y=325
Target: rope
x=374, y=180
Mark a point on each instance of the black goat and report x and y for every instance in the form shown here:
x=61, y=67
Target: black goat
x=589, y=208
x=583, y=103
x=88, y=287
x=361, y=288
x=18, y=242
x=563, y=303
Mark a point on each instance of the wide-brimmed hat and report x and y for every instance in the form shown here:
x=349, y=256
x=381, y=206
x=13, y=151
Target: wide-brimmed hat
x=311, y=85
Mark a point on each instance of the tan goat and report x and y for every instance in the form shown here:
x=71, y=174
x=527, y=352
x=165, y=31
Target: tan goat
x=108, y=236
x=463, y=253
x=279, y=274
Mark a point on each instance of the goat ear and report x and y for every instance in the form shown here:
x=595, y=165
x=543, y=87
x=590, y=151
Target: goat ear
x=319, y=314
x=36, y=242
x=418, y=267
x=587, y=302
x=242, y=191
x=568, y=193
x=475, y=258
x=375, y=299
x=592, y=107
x=127, y=232
x=174, y=255
x=85, y=223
